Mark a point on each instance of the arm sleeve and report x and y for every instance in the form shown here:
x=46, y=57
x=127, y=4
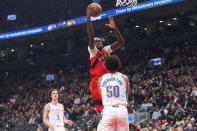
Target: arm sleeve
x=92, y=52
x=108, y=49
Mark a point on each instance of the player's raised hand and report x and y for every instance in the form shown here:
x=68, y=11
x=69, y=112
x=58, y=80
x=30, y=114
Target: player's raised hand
x=88, y=12
x=111, y=23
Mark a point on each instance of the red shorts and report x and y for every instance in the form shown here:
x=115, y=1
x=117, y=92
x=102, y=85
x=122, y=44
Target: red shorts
x=94, y=90
x=95, y=93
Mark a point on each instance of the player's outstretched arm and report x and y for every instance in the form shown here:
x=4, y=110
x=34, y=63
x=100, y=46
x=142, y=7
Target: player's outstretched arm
x=120, y=40
x=45, y=117
x=90, y=29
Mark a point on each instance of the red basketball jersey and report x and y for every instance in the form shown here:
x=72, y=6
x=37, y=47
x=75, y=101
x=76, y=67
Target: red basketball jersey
x=97, y=64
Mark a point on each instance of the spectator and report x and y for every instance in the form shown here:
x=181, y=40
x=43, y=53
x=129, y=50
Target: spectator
x=32, y=120
x=179, y=129
x=77, y=100
x=156, y=114
x=194, y=92
x=39, y=128
x=186, y=103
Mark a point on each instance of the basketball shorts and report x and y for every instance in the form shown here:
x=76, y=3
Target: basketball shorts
x=115, y=118
x=95, y=94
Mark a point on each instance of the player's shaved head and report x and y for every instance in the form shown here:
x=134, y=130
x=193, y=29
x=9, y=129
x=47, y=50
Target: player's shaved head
x=98, y=43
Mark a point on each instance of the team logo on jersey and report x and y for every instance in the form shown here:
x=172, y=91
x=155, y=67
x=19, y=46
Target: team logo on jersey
x=102, y=57
x=99, y=59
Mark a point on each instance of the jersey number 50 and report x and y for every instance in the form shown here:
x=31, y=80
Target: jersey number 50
x=112, y=91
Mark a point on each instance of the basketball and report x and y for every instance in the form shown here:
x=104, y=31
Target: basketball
x=96, y=9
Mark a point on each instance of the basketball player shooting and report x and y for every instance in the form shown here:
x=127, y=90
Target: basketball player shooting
x=114, y=88
x=53, y=115
x=98, y=54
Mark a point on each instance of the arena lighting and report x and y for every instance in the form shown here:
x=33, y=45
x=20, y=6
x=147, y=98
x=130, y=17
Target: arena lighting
x=137, y=26
x=31, y=45
x=12, y=50
x=174, y=18
x=42, y=43
x=145, y=28
x=81, y=20
x=11, y=17
x=169, y=24
x=161, y=21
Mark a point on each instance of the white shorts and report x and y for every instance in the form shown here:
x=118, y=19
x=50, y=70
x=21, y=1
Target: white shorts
x=115, y=118
x=58, y=129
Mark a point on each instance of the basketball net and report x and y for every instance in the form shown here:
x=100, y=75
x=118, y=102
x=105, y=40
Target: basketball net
x=126, y=3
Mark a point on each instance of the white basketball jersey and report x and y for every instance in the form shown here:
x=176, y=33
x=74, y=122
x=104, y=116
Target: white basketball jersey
x=56, y=115
x=113, y=89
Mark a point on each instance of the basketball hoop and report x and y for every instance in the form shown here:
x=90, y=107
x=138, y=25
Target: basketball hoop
x=126, y=3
